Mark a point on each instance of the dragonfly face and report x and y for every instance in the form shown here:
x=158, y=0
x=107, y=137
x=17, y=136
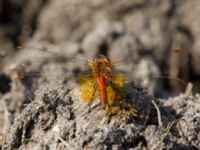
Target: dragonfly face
x=101, y=67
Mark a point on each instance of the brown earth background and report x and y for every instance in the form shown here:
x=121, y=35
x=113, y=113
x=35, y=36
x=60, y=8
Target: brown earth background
x=151, y=37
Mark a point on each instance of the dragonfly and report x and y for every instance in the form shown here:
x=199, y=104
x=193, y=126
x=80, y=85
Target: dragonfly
x=102, y=80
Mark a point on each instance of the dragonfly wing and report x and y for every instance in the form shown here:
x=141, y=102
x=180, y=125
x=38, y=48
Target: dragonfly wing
x=56, y=54
x=115, y=94
x=116, y=97
x=115, y=88
x=118, y=78
x=88, y=87
x=160, y=86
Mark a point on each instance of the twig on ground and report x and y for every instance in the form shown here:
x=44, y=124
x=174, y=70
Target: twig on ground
x=188, y=89
x=6, y=118
x=63, y=141
x=169, y=126
x=1, y=139
x=158, y=114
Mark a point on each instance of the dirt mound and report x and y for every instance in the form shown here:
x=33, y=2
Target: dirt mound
x=43, y=110
x=56, y=120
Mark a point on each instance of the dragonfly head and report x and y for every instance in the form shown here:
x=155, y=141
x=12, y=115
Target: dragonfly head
x=101, y=66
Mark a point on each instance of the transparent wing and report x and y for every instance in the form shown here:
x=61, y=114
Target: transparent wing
x=88, y=87
x=31, y=60
x=56, y=54
x=115, y=88
x=116, y=97
x=118, y=78
x=147, y=75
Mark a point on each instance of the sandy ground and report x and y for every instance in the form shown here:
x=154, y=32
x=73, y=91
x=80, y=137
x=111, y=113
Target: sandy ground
x=43, y=110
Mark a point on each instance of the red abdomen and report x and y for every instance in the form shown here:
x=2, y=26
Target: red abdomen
x=102, y=89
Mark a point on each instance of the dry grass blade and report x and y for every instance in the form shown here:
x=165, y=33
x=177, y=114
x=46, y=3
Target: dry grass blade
x=158, y=114
x=1, y=139
x=6, y=117
x=62, y=140
x=188, y=89
x=164, y=135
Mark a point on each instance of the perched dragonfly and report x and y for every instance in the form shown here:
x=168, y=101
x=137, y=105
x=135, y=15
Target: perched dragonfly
x=102, y=79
